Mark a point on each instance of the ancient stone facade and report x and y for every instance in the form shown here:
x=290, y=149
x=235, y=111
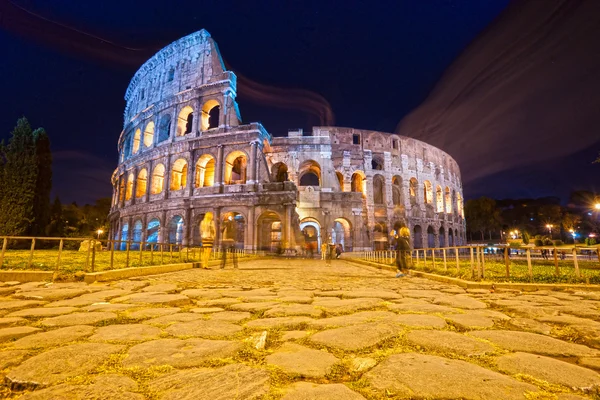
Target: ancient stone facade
x=184, y=152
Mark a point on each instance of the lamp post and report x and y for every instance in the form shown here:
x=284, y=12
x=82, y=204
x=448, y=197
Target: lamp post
x=549, y=226
x=99, y=232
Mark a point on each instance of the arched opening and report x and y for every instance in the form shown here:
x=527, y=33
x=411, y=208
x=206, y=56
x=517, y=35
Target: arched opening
x=378, y=189
x=457, y=239
x=427, y=192
x=141, y=184
x=397, y=191
x=121, y=189
x=279, y=172
x=136, y=238
x=136, y=140
x=185, y=121
x=430, y=237
x=176, y=230
x=340, y=179
x=309, y=173
x=149, y=134
x=459, y=205
x=439, y=199
x=164, y=128
x=129, y=190
x=450, y=238
x=358, y=183
x=211, y=111
x=239, y=227
x=124, y=236
x=380, y=236
x=152, y=231
x=442, y=237
x=377, y=164
x=179, y=174
x=448, y=199
x=412, y=190
x=158, y=179
x=417, y=237
x=205, y=171
x=341, y=233
x=235, y=168
x=311, y=230
x=270, y=232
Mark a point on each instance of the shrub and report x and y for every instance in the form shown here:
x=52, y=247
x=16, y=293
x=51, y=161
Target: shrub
x=525, y=238
x=538, y=242
x=557, y=242
x=590, y=241
x=547, y=242
x=538, y=237
x=515, y=245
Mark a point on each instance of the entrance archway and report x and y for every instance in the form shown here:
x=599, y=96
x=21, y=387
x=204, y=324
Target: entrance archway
x=341, y=233
x=176, y=230
x=270, y=232
x=417, y=237
x=311, y=229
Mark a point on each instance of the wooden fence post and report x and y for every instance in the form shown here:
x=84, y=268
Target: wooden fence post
x=141, y=253
x=4, y=244
x=433, y=258
x=575, y=263
x=529, y=268
x=162, y=261
x=444, y=254
x=472, y=263
x=127, y=249
x=31, y=253
x=457, y=261
x=93, y=243
x=60, y=248
x=417, y=257
x=112, y=254
x=556, y=269
x=507, y=261
x=482, y=263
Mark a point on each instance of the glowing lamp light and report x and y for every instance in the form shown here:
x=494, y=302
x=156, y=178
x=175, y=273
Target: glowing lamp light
x=597, y=206
x=99, y=232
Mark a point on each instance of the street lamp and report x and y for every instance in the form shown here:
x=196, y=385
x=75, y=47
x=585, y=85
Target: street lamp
x=99, y=232
x=597, y=206
x=549, y=226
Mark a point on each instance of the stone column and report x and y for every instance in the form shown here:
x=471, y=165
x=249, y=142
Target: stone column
x=187, y=227
x=252, y=163
x=249, y=240
x=163, y=232
x=219, y=167
x=217, y=219
x=144, y=227
x=167, y=180
x=191, y=174
x=134, y=185
x=288, y=227
x=197, y=118
x=149, y=181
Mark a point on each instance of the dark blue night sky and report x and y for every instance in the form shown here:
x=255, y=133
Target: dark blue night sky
x=66, y=65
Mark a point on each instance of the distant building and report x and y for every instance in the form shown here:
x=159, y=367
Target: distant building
x=184, y=151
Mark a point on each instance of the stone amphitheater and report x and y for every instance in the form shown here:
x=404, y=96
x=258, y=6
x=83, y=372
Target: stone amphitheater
x=184, y=151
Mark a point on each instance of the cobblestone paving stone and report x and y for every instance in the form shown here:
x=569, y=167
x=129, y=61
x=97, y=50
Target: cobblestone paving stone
x=339, y=331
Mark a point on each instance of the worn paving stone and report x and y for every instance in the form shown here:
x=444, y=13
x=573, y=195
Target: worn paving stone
x=375, y=293
x=337, y=306
x=419, y=321
x=299, y=360
x=5, y=322
x=105, y=387
x=230, y=316
x=452, y=342
x=421, y=308
x=55, y=337
x=493, y=314
x=550, y=370
x=8, y=358
x=261, y=292
x=460, y=301
x=293, y=335
x=361, y=364
x=471, y=321
x=288, y=310
x=170, y=319
x=151, y=312
x=16, y=332
x=531, y=325
x=590, y=362
x=207, y=310
x=161, y=288
x=58, y=364
x=412, y=375
x=235, y=381
x=108, y=307
x=179, y=353
x=89, y=298
x=279, y=322
x=43, y=312
x=312, y=391
x=174, y=300
x=295, y=299
x=223, y=302
x=130, y=285
x=534, y=343
x=356, y=337
x=202, y=294
x=50, y=294
x=254, y=307
x=18, y=304
x=80, y=318
x=352, y=319
x=204, y=328
x=126, y=333
x=419, y=293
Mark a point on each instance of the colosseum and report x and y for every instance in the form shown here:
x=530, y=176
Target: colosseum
x=184, y=151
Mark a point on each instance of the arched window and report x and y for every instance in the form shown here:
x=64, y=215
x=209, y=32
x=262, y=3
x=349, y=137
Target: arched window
x=124, y=236
x=309, y=173
x=235, y=168
x=121, y=189
x=340, y=178
x=397, y=190
x=459, y=205
x=211, y=111
x=149, y=134
x=377, y=164
x=158, y=179
x=136, y=236
x=430, y=237
x=164, y=129
x=417, y=237
x=279, y=172
x=185, y=120
x=179, y=174
x=129, y=190
x=378, y=189
x=141, y=183
x=176, y=230
x=448, y=199
x=152, y=231
x=427, y=192
x=442, y=237
x=205, y=171
x=439, y=199
x=358, y=182
x=136, y=140
x=412, y=190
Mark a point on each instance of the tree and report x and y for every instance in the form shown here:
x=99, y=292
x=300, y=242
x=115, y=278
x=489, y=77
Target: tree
x=482, y=215
x=25, y=181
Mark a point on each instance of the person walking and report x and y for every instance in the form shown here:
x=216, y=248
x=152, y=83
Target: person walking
x=324, y=250
x=228, y=242
x=207, y=233
x=402, y=251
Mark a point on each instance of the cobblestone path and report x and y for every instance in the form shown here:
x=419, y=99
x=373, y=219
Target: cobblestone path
x=295, y=329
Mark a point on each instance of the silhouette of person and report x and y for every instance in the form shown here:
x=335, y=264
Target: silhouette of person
x=207, y=233
x=228, y=242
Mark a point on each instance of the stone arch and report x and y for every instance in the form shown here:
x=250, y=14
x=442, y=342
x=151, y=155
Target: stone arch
x=457, y=238
x=179, y=174
x=378, y=189
x=448, y=199
x=124, y=236
x=239, y=222
x=235, y=167
x=311, y=229
x=129, y=190
x=141, y=183
x=309, y=173
x=340, y=179
x=270, y=232
x=397, y=197
x=377, y=163
x=175, y=230
x=358, y=182
x=417, y=237
x=459, y=204
x=136, y=140
x=211, y=111
x=136, y=234
x=153, y=230
x=185, y=121
x=158, y=179
x=204, y=174
x=430, y=237
x=341, y=233
x=450, y=238
x=439, y=199
x=279, y=172
x=427, y=192
x=442, y=237
x=122, y=189
x=164, y=128
x=380, y=236
x=149, y=134
x=413, y=188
